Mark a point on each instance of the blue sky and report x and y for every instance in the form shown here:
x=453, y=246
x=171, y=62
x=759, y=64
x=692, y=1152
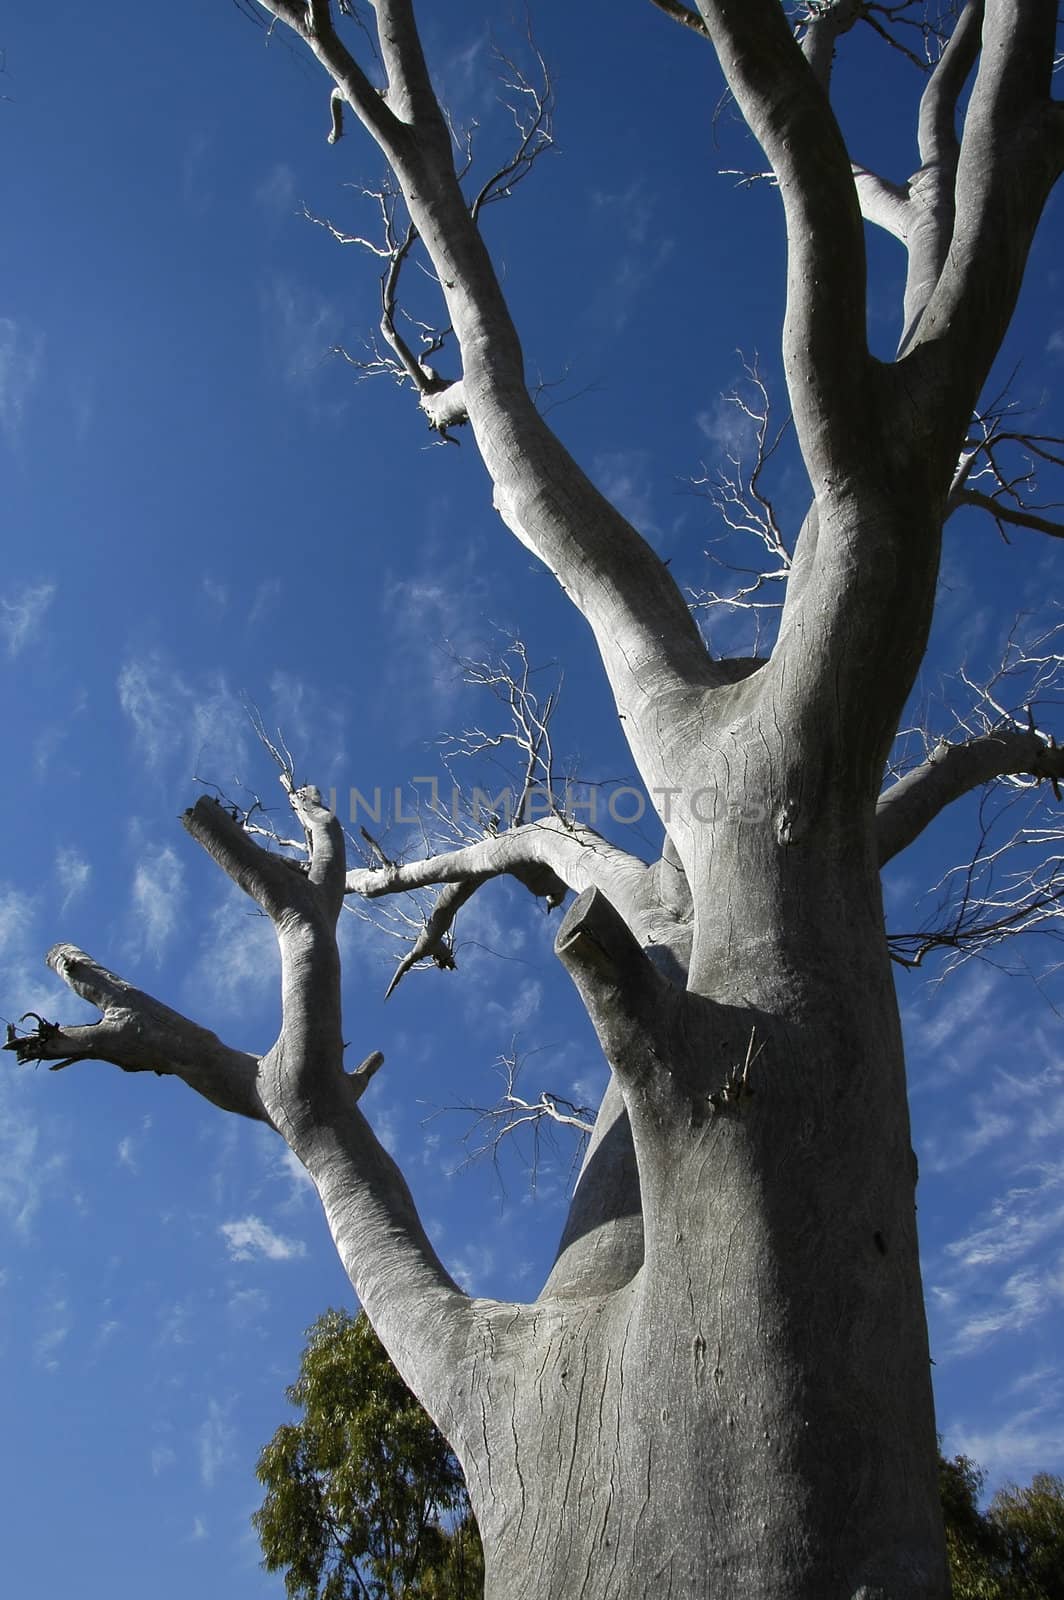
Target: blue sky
x=202, y=508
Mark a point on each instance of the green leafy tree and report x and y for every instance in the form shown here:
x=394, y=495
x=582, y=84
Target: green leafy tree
x=976, y=1553
x=1030, y=1523
x=1012, y=1551
x=364, y=1498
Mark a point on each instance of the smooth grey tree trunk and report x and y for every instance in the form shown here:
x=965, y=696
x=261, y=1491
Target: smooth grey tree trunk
x=750, y=1414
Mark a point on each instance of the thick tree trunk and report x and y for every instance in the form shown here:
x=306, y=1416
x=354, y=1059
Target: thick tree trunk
x=750, y=1415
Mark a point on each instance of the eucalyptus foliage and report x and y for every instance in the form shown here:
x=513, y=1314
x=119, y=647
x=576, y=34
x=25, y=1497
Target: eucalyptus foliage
x=365, y=1500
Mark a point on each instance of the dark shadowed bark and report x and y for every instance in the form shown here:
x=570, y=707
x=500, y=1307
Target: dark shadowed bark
x=723, y=1388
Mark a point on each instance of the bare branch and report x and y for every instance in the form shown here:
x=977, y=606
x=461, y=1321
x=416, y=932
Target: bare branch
x=313, y=24
x=985, y=904
x=927, y=25
x=527, y=735
x=394, y=245
x=937, y=126
x=736, y=488
x=532, y=109
x=140, y=1034
x=513, y=1118
x=682, y=14
x=998, y=470
x=1012, y=880
x=1012, y=515
x=819, y=26
x=410, y=93
x=1006, y=168
x=953, y=770
x=644, y=630
x=921, y=212
x=433, y=942
x=829, y=374
x=574, y=855
x=883, y=203
x=299, y=1087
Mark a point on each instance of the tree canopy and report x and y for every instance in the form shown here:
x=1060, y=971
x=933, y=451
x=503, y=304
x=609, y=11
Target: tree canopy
x=1012, y=1551
x=364, y=1496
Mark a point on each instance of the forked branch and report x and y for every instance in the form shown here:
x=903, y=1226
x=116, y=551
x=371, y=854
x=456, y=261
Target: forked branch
x=299, y=1087
x=645, y=633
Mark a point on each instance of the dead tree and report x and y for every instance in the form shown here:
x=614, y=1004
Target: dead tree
x=723, y=1387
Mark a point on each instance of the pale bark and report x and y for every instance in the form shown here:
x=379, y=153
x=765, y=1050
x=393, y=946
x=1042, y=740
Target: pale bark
x=724, y=1386
x=953, y=770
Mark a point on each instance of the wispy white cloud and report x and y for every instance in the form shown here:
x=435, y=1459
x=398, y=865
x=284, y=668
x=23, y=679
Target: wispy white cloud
x=1022, y=1299
x=467, y=86
x=197, y=167
x=952, y=1021
x=959, y=1037
x=25, y=982
x=1018, y=1448
x=215, y=593
x=143, y=696
x=57, y=1322
x=285, y=1165
x=1020, y=1222
x=264, y=601
x=202, y=725
x=21, y=366
x=638, y=254
x=987, y=1123
x=519, y=1006
x=311, y=724
x=431, y=615
x=174, y=1322
x=32, y=1144
x=49, y=739
x=239, y=962
x=215, y=1439
x=386, y=1122
x=276, y=194
x=630, y=209
x=729, y=428
x=472, y=1266
x=27, y=1166
x=1006, y=1272
x=73, y=873
x=105, y=1332
x=21, y=614
x=158, y=890
x=126, y=1154
x=249, y=1239
x=246, y=1308
x=82, y=398
x=623, y=477
x=161, y=1457
x=305, y=326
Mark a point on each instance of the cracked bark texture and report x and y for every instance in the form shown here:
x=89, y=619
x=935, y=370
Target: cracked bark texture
x=723, y=1388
